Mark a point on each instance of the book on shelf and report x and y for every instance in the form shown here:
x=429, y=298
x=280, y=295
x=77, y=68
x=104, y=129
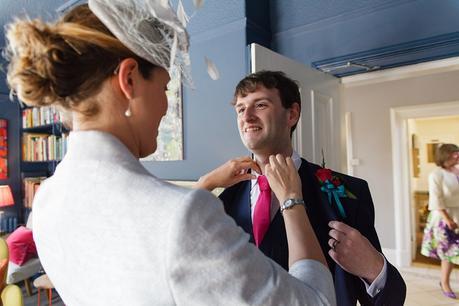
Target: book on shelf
x=43, y=147
x=31, y=185
x=39, y=116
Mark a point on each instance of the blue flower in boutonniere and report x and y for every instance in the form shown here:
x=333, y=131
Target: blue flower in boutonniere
x=334, y=187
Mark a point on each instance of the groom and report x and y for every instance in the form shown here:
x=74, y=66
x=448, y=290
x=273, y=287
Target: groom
x=268, y=107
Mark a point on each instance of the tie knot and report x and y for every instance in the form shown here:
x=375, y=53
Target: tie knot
x=263, y=183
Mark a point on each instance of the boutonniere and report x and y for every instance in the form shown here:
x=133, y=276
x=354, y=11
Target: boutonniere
x=333, y=186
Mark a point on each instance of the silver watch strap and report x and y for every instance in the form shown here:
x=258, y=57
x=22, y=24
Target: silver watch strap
x=289, y=203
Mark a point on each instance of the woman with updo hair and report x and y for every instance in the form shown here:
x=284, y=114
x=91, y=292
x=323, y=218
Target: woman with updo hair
x=107, y=231
x=441, y=235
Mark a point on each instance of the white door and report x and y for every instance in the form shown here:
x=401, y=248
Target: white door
x=320, y=123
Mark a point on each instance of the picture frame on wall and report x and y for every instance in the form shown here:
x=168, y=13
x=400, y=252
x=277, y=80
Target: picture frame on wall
x=3, y=149
x=431, y=151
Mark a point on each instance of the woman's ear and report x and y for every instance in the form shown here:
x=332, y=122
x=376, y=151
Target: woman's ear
x=126, y=74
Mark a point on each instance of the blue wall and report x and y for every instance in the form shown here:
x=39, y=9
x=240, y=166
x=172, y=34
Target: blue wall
x=10, y=111
x=311, y=31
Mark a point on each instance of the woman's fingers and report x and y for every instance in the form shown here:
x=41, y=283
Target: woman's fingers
x=283, y=178
x=228, y=174
x=245, y=165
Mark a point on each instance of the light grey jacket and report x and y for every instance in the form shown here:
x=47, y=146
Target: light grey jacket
x=110, y=233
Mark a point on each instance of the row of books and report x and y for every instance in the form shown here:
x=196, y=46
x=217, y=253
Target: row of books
x=39, y=116
x=31, y=185
x=8, y=224
x=43, y=147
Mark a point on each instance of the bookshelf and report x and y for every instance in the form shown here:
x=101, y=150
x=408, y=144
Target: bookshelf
x=43, y=145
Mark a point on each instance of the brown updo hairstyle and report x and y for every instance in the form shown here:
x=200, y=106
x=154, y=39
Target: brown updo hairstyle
x=444, y=152
x=64, y=63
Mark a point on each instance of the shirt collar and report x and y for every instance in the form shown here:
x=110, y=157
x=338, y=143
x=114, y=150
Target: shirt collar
x=296, y=158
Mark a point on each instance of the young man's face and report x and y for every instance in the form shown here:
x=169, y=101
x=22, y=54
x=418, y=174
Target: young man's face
x=264, y=124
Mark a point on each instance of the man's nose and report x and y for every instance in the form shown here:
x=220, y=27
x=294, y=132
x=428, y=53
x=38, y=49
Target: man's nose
x=248, y=114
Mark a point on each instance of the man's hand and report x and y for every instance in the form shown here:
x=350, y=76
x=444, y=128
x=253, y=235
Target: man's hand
x=228, y=174
x=353, y=252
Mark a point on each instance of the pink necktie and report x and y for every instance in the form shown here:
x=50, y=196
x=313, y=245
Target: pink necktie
x=262, y=213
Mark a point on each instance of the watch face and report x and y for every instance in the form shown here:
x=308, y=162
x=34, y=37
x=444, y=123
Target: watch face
x=290, y=203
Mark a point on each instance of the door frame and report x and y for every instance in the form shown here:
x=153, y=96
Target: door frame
x=401, y=169
x=312, y=84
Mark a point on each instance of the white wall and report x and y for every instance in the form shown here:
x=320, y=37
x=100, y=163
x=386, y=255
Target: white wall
x=430, y=130
x=371, y=131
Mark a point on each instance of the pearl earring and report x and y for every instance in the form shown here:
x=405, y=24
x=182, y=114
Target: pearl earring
x=128, y=112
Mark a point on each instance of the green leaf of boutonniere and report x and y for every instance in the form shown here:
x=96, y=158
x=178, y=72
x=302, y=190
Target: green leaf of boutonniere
x=350, y=195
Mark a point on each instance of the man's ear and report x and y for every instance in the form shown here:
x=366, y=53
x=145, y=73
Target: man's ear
x=294, y=113
x=126, y=75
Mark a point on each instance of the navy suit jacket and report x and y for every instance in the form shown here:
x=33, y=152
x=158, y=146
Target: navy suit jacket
x=359, y=215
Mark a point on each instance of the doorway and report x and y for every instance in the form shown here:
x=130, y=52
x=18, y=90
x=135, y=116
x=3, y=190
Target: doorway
x=424, y=135
x=409, y=210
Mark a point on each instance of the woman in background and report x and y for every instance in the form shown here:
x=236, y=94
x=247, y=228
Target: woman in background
x=108, y=232
x=441, y=239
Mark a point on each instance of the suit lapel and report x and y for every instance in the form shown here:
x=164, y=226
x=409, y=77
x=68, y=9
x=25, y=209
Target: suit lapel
x=274, y=244
x=320, y=212
x=315, y=199
x=244, y=210
x=350, y=206
x=307, y=173
x=236, y=200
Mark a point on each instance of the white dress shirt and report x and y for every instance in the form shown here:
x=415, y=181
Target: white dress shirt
x=372, y=289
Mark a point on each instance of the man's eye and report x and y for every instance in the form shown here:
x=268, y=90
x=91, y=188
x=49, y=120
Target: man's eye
x=261, y=105
x=240, y=110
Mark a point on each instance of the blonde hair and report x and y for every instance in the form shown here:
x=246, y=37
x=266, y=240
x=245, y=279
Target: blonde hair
x=64, y=63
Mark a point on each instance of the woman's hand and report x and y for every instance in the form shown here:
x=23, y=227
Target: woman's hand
x=283, y=178
x=286, y=183
x=228, y=174
x=451, y=224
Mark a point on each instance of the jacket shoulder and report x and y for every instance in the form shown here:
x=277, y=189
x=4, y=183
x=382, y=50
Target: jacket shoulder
x=347, y=178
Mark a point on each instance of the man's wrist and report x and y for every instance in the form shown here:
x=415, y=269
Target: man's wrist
x=373, y=274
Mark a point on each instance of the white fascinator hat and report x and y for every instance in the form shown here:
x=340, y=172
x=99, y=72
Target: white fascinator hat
x=150, y=29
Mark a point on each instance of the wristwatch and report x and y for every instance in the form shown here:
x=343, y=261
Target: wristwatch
x=289, y=203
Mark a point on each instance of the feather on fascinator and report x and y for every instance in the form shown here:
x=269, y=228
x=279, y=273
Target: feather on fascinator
x=150, y=29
